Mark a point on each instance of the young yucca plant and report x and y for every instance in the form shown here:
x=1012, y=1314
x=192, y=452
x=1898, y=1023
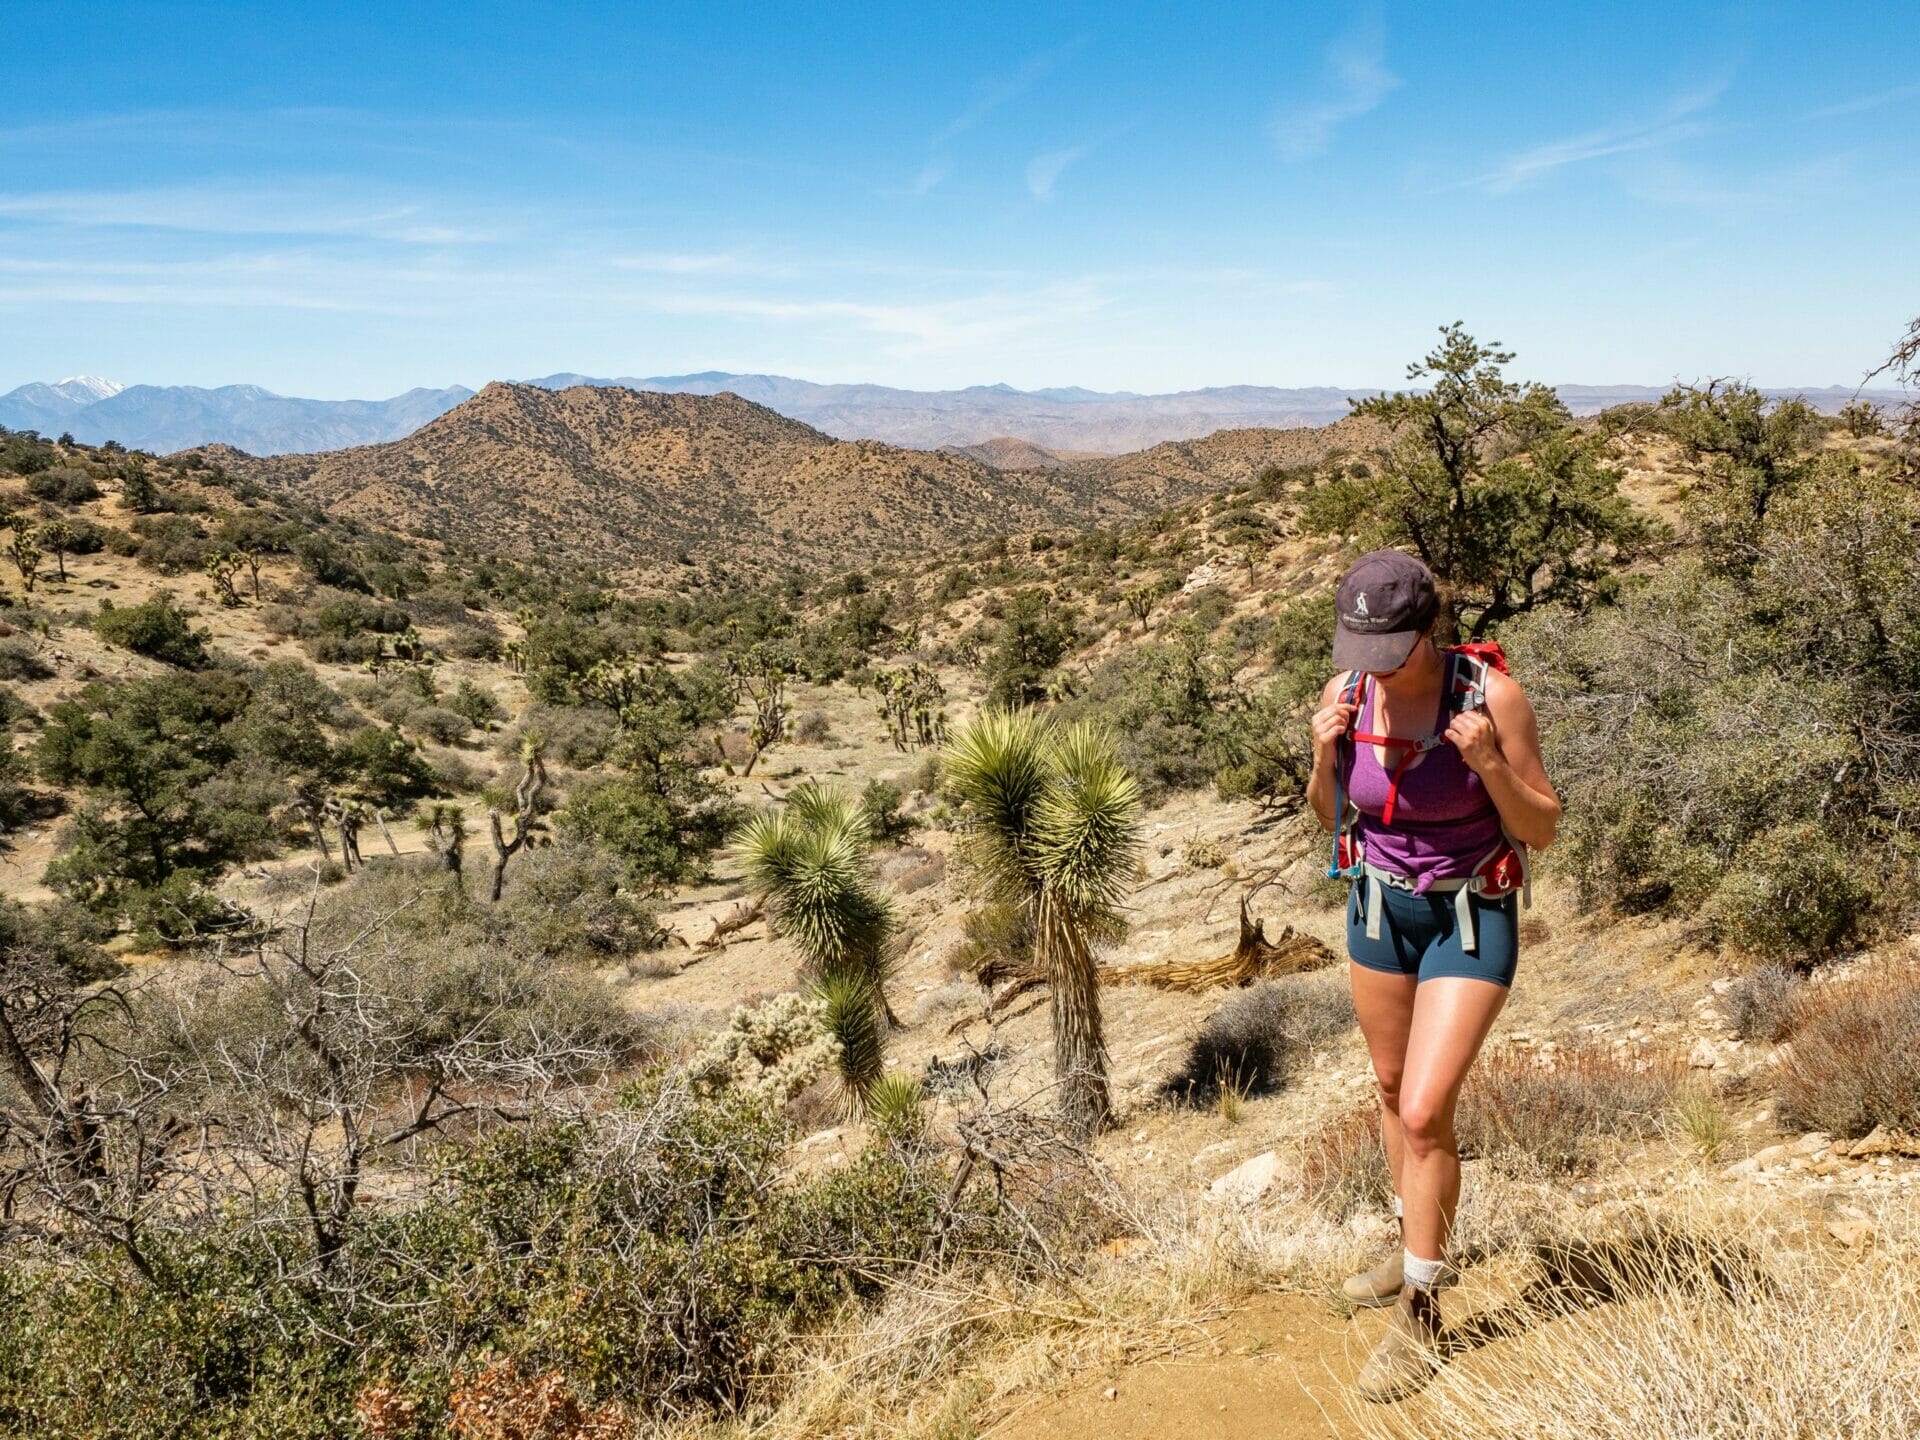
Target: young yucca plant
x=1049, y=821
x=808, y=861
x=897, y=1106
x=853, y=1019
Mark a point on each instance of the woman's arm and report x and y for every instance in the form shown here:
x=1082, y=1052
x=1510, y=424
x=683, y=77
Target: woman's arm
x=1330, y=722
x=1501, y=744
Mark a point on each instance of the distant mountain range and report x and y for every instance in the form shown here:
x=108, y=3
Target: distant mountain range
x=165, y=418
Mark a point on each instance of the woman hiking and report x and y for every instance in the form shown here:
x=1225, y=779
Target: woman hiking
x=1426, y=765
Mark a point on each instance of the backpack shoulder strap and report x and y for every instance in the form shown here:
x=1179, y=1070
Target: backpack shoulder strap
x=1466, y=681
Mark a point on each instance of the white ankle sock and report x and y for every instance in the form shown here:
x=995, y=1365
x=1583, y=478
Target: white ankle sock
x=1421, y=1274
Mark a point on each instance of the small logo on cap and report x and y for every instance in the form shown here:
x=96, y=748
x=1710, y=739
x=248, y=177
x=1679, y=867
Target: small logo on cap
x=1360, y=604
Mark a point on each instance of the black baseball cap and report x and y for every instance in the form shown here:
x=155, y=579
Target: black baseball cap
x=1384, y=605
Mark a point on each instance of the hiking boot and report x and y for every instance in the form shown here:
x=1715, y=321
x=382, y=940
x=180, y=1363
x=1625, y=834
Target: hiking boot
x=1379, y=1286
x=1382, y=1284
x=1408, y=1353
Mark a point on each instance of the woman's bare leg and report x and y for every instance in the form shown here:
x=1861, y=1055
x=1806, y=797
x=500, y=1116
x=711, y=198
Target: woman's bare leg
x=1451, y=1016
x=1385, y=1005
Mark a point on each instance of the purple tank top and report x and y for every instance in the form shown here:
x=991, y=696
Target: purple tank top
x=1444, y=822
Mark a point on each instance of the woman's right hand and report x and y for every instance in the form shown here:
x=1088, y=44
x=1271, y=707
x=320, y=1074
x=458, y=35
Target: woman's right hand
x=1330, y=722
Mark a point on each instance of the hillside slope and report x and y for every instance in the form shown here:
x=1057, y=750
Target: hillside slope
x=636, y=481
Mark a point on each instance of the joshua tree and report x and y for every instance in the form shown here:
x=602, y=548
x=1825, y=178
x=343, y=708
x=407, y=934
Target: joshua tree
x=910, y=705
x=1049, y=823
x=56, y=538
x=807, y=862
x=221, y=568
x=526, y=804
x=446, y=831
x=26, y=556
x=1143, y=600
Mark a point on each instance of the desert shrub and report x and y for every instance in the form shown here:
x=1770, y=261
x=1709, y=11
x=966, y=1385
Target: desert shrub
x=647, y=1253
x=660, y=839
x=154, y=628
x=1797, y=889
x=1343, y=1164
x=14, y=710
x=63, y=485
x=389, y=767
x=1855, y=1058
x=355, y=614
x=473, y=642
x=1525, y=1111
x=577, y=737
x=568, y=901
x=812, y=727
x=1706, y=732
x=995, y=937
x=171, y=544
x=1254, y=1041
x=475, y=705
x=880, y=805
x=20, y=659
x=325, y=649
x=1764, y=1003
x=438, y=723
x=323, y=559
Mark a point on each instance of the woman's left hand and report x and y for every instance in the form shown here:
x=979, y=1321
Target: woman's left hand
x=1473, y=735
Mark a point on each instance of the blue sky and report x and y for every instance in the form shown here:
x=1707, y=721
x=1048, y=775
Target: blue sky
x=349, y=199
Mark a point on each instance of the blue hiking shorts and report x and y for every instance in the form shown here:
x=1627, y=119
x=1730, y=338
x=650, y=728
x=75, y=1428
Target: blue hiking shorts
x=1419, y=936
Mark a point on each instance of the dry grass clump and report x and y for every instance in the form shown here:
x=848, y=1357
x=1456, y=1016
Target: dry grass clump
x=1526, y=1111
x=1855, y=1060
x=1668, y=1329
x=1254, y=1041
x=1764, y=1004
x=1343, y=1164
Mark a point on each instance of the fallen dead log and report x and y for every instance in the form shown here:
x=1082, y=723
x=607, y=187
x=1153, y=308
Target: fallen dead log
x=733, y=922
x=1254, y=958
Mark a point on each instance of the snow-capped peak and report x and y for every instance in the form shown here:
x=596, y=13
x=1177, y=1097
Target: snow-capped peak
x=87, y=388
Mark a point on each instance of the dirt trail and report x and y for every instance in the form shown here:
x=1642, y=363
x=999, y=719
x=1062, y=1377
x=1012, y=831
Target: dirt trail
x=1266, y=1370
x=1281, y=1368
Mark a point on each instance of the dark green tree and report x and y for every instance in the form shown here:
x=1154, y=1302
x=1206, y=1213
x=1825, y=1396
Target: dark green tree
x=1489, y=482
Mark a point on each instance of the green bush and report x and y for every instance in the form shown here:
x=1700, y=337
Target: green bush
x=1736, y=738
x=154, y=628
x=64, y=485
x=660, y=839
x=171, y=544
x=647, y=1254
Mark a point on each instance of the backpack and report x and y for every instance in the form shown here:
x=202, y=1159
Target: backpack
x=1502, y=869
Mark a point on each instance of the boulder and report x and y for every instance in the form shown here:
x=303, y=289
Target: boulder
x=1247, y=1181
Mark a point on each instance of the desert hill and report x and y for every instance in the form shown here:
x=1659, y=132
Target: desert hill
x=637, y=480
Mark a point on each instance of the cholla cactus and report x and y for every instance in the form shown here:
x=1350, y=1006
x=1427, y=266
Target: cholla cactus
x=772, y=1051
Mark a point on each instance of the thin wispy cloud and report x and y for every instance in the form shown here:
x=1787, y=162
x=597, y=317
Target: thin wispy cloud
x=1676, y=121
x=219, y=209
x=994, y=91
x=1358, y=81
x=989, y=95
x=1044, y=170
x=948, y=325
x=677, y=264
x=1864, y=103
